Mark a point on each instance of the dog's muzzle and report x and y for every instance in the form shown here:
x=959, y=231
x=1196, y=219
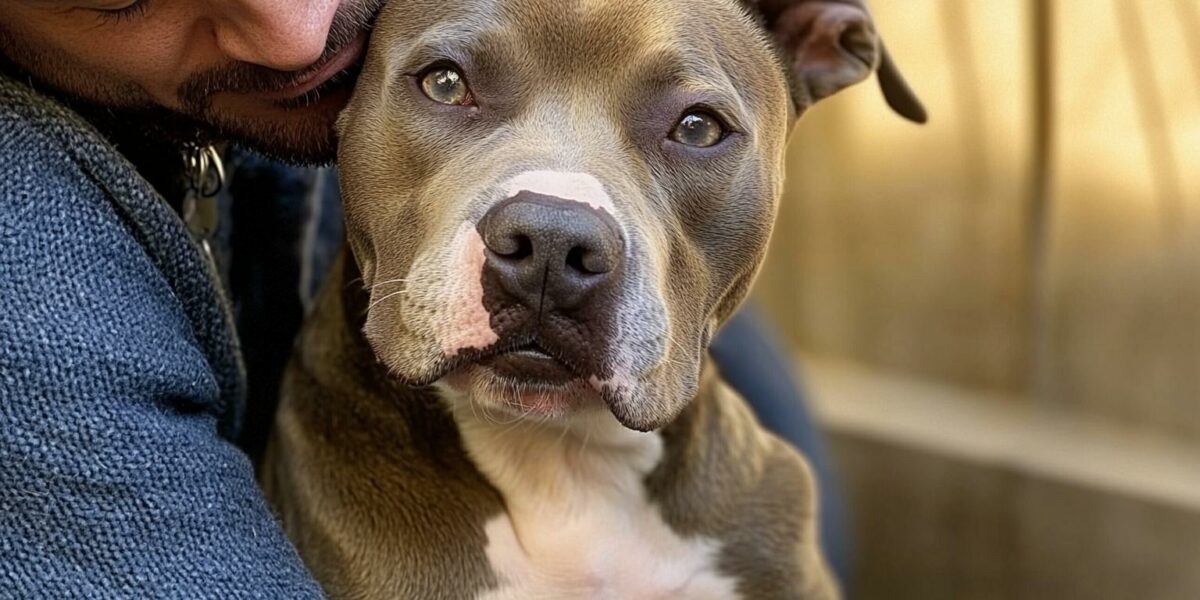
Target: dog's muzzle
x=551, y=275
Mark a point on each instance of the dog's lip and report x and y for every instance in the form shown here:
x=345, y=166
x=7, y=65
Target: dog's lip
x=531, y=351
x=529, y=363
x=518, y=347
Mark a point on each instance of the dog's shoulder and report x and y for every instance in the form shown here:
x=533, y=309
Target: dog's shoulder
x=725, y=477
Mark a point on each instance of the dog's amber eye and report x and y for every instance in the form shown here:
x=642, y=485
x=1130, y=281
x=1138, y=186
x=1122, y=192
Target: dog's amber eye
x=446, y=85
x=699, y=129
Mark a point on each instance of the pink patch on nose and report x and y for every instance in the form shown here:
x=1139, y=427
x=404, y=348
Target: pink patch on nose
x=580, y=187
x=465, y=322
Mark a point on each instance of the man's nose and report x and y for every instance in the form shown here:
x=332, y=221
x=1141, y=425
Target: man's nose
x=286, y=35
x=551, y=253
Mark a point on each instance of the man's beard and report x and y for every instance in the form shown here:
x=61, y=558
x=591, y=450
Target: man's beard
x=304, y=139
x=311, y=142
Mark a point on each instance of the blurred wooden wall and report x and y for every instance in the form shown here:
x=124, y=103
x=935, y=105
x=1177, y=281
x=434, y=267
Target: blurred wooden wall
x=1011, y=298
x=922, y=249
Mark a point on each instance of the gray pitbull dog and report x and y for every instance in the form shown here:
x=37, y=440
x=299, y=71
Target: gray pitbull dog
x=551, y=207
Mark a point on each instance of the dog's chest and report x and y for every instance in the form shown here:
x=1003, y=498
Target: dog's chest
x=617, y=553
x=579, y=524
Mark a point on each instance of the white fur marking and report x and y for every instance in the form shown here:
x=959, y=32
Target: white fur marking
x=578, y=522
x=466, y=323
x=580, y=187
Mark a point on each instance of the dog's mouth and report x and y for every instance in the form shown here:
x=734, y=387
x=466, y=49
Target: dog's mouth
x=531, y=364
x=525, y=360
x=526, y=377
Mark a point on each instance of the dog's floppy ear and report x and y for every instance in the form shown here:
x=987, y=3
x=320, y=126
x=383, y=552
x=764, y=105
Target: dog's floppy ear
x=829, y=45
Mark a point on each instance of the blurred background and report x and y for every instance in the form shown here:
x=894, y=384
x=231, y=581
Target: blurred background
x=997, y=315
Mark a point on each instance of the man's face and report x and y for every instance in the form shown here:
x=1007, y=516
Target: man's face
x=271, y=74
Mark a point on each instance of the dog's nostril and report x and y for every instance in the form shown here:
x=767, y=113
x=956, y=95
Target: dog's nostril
x=575, y=260
x=516, y=246
x=588, y=261
x=524, y=248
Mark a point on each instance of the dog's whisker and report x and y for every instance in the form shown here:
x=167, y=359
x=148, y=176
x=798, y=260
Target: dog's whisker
x=397, y=293
x=388, y=282
x=474, y=408
x=587, y=435
x=562, y=436
x=673, y=345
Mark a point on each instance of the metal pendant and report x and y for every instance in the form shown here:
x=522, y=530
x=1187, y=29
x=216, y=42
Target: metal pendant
x=204, y=177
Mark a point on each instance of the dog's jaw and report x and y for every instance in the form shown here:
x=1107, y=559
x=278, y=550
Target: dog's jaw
x=491, y=394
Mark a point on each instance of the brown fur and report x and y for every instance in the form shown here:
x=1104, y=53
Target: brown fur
x=368, y=468
x=375, y=489
x=368, y=476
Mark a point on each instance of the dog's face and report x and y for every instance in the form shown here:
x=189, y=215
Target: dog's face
x=555, y=204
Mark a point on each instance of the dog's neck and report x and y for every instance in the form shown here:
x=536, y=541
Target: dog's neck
x=578, y=463
x=578, y=516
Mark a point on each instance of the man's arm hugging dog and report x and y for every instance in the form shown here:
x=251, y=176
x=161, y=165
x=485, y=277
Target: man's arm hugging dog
x=504, y=390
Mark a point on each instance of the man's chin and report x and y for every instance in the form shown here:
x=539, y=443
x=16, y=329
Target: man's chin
x=302, y=134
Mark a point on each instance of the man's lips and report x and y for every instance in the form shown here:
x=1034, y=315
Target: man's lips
x=317, y=75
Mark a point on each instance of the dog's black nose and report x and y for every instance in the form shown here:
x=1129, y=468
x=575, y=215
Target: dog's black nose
x=549, y=252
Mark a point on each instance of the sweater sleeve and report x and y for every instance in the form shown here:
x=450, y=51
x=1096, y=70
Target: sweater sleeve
x=114, y=480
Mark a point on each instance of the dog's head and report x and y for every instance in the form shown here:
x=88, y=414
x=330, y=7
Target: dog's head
x=554, y=205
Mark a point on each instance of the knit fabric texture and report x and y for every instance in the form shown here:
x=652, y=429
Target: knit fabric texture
x=120, y=386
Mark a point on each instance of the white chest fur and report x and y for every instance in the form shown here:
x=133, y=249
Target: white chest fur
x=578, y=523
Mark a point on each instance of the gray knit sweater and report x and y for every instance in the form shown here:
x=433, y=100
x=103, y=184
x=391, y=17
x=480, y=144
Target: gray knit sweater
x=120, y=386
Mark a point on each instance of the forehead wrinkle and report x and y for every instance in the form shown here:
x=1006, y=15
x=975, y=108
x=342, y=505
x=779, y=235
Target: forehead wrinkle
x=435, y=30
x=666, y=51
x=687, y=72
x=443, y=40
x=586, y=36
x=715, y=81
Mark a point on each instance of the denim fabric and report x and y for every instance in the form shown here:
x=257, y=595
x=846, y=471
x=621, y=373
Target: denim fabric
x=120, y=385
